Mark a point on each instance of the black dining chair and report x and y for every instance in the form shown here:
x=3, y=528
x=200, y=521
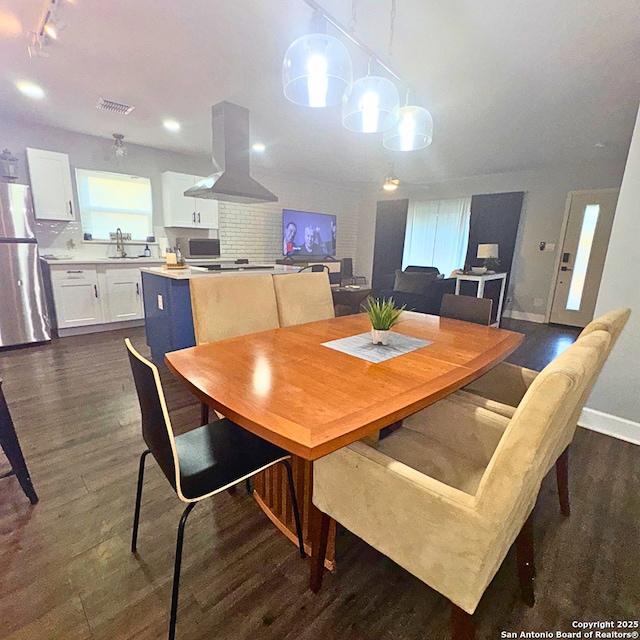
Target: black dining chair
x=11, y=446
x=347, y=273
x=198, y=464
x=466, y=308
x=315, y=268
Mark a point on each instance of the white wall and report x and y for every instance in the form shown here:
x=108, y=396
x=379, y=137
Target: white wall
x=533, y=271
x=247, y=231
x=614, y=405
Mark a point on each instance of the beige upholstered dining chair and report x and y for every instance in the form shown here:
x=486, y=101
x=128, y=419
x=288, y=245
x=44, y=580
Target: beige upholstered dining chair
x=447, y=494
x=303, y=297
x=231, y=305
x=503, y=387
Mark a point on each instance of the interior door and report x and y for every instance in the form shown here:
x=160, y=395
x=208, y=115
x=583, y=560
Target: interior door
x=582, y=256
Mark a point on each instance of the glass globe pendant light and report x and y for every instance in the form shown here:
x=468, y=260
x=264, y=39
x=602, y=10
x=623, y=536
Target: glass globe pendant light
x=370, y=104
x=412, y=129
x=316, y=69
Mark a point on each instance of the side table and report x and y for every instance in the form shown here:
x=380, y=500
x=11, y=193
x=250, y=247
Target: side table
x=482, y=279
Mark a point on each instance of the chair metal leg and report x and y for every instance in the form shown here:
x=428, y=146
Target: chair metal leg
x=562, y=478
x=136, y=516
x=462, y=627
x=176, y=571
x=526, y=567
x=11, y=446
x=296, y=511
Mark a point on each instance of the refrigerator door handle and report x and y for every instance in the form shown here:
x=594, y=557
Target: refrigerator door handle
x=70, y=208
x=95, y=290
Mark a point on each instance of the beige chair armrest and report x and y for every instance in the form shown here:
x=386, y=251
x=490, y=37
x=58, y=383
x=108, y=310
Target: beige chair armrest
x=506, y=383
x=420, y=523
x=500, y=408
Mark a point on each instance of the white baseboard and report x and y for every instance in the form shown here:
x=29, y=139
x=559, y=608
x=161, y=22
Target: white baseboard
x=620, y=428
x=520, y=315
x=96, y=328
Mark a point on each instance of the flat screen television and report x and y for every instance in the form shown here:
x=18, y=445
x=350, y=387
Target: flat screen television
x=306, y=234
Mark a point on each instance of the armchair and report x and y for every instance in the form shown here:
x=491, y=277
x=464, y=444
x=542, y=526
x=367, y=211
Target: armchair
x=419, y=288
x=447, y=494
x=502, y=388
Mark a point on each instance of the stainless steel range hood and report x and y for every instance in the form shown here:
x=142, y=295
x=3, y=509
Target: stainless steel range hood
x=231, y=182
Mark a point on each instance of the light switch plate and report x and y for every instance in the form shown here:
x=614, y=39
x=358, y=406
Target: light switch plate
x=550, y=246
x=160, y=303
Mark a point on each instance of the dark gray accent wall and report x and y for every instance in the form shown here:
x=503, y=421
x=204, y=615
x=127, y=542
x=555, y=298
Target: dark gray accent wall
x=494, y=220
x=391, y=222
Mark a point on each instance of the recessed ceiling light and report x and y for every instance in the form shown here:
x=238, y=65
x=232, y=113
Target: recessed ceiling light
x=259, y=146
x=171, y=125
x=30, y=89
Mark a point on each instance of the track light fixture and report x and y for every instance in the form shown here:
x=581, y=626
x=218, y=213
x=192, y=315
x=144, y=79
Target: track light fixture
x=48, y=31
x=317, y=72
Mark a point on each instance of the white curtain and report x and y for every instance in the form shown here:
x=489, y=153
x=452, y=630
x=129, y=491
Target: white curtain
x=437, y=234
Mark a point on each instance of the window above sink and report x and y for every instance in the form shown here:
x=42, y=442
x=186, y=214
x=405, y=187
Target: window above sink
x=114, y=200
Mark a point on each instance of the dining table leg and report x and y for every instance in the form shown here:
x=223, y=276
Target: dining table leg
x=271, y=492
x=319, y=524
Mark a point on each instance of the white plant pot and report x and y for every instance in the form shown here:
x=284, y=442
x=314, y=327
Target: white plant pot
x=380, y=336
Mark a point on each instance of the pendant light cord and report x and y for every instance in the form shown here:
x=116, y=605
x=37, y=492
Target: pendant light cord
x=354, y=16
x=392, y=29
x=345, y=32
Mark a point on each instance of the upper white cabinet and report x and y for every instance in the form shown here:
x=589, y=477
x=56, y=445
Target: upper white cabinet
x=50, y=175
x=181, y=211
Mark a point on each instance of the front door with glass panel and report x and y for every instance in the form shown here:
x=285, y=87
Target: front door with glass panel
x=582, y=256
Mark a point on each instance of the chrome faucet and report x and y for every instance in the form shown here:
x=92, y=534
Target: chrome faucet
x=120, y=252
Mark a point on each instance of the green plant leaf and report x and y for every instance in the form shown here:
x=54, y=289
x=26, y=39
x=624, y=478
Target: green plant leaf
x=382, y=313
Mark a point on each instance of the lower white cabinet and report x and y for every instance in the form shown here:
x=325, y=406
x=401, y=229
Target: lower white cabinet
x=124, y=295
x=94, y=294
x=77, y=296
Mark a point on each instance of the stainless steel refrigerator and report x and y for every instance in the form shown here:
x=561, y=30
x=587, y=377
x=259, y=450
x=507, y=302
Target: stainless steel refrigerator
x=23, y=310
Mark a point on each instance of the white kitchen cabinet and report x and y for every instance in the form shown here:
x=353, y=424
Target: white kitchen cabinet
x=50, y=176
x=182, y=211
x=77, y=296
x=123, y=295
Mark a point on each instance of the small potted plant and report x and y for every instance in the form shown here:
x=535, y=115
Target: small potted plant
x=383, y=315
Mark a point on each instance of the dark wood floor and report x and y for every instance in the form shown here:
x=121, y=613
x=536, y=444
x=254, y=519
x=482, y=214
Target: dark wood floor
x=66, y=570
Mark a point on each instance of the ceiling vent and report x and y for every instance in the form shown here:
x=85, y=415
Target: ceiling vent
x=114, y=107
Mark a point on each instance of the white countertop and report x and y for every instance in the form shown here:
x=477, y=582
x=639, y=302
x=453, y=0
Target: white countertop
x=113, y=261
x=197, y=272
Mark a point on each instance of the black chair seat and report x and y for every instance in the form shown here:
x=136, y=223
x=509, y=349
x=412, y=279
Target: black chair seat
x=219, y=455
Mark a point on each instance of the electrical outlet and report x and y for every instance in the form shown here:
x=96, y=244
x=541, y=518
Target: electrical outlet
x=537, y=302
x=114, y=236
x=160, y=303
x=550, y=246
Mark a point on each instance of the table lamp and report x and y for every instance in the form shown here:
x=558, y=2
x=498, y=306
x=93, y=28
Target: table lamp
x=489, y=254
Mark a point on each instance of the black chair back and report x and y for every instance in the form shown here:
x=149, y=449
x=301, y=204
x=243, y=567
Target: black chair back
x=347, y=268
x=466, y=308
x=156, y=428
x=315, y=268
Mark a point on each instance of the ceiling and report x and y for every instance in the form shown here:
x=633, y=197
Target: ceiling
x=511, y=84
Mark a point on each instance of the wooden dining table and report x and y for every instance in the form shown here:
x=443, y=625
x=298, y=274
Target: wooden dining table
x=289, y=388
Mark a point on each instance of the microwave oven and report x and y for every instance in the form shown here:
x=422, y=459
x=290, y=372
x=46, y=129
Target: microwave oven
x=199, y=248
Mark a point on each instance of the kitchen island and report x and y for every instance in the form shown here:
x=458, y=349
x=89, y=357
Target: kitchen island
x=167, y=302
